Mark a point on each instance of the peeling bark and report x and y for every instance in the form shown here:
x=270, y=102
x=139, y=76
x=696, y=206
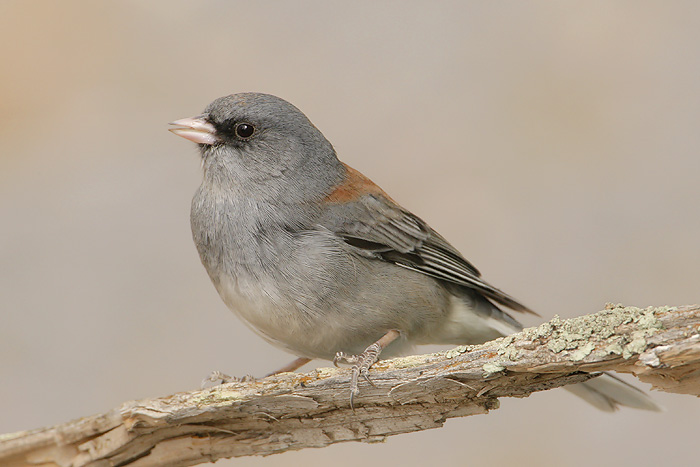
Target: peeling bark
x=661, y=346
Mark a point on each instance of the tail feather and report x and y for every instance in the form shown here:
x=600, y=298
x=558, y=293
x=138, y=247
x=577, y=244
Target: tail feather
x=607, y=393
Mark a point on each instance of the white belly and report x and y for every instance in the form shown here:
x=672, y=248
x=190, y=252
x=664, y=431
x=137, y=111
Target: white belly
x=260, y=307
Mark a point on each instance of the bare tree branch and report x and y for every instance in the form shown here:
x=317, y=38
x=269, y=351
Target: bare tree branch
x=291, y=411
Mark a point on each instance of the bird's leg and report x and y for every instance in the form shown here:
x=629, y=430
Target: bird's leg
x=292, y=366
x=361, y=363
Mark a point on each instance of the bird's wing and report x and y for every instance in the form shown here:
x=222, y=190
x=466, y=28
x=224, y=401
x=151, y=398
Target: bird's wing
x=368, y=220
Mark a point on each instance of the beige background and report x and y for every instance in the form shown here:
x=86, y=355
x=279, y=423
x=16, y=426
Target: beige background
x=554, y=143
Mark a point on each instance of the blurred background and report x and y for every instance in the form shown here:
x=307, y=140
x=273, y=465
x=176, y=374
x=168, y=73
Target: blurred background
x=555, y=144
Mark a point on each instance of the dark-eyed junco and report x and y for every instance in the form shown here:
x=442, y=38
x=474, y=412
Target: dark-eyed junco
x=320, y=261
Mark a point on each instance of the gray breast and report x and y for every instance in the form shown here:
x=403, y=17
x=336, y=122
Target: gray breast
x=304, y=289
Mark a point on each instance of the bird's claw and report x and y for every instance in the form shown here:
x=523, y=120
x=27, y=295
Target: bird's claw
x=342, y=357
x=360, y=367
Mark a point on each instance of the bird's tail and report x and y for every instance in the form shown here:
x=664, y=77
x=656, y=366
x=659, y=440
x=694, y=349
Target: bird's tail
x=607, y=393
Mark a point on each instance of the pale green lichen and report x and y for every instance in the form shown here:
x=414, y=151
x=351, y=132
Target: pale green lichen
x=637, y=346
x=614, y=348
x=577, y=334
x=580, y=337
x=556, y=345
x=582, y=352
x=457, y=351
x=491, y=368
x=506, y=350
x=648, y=320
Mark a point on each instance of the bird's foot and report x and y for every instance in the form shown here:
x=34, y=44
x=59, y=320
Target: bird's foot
x=360, y=367
x=361, y=363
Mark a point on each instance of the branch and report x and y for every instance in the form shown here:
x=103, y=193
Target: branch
x=292, y=411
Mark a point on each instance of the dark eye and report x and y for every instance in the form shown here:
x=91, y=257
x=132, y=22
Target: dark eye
x=244, y=130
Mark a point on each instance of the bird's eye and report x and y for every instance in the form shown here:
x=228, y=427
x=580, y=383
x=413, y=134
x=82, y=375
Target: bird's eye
x=244, y=130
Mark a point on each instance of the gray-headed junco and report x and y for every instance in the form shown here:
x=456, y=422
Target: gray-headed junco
x=320, y=261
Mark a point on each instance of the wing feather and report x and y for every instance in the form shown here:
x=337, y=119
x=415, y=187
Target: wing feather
x=377, y=227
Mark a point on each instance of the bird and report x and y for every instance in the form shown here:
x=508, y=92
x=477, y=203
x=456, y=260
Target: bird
x=320, y=261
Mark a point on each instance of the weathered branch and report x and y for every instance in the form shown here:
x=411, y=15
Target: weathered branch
x=290, y=411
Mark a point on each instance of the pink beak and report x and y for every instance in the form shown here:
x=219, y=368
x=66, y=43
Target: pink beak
x=195, y=129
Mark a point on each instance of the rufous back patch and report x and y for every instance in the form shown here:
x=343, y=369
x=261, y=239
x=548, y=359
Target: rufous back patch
x=353, y=187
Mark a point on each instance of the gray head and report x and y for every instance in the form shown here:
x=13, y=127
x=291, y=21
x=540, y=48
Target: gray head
x=261, y=146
